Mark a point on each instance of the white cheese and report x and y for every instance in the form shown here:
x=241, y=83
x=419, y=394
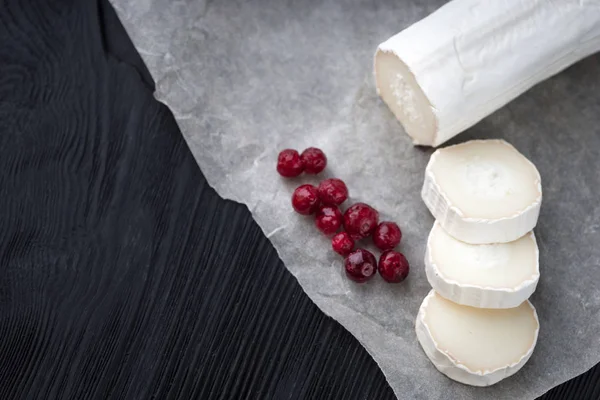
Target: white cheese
x=500, y=275
x=476, y=346
x=470, y=57
x=483, y=191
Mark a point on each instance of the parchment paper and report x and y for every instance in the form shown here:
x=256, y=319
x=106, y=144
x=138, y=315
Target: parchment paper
x=247, y=78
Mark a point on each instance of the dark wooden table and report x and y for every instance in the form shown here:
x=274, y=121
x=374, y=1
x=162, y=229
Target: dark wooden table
x=123, y=274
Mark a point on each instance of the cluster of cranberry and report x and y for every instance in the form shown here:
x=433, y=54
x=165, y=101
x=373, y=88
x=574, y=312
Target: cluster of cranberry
x=359, y=220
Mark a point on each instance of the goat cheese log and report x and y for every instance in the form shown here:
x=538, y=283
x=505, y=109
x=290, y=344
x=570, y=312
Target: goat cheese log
x=448, y=71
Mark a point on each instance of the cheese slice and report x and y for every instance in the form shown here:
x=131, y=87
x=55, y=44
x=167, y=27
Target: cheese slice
x=499, y=275
x=476, y=346
x=448, y=71
x=483, y=191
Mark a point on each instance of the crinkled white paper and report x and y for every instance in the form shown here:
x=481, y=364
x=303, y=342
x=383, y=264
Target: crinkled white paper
x=246, y=79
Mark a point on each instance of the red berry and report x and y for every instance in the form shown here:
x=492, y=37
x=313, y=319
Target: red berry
x=360, y=220
x=328, y=219
x=393, y=266
x=387, y=235
x=360, y=265
x=333, y=191
x=305, y=199
x=314, y=160
x=289, y=163
x=342, y=244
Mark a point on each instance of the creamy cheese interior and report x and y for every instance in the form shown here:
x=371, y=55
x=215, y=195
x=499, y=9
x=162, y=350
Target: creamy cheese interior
x=499, y=265
x=400, y=91
x=486, y=179
x=478, y=338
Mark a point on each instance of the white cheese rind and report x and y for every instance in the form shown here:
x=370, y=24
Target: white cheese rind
x=451, y=367
x=478, y=230
x=469, y=58
x=480, y=296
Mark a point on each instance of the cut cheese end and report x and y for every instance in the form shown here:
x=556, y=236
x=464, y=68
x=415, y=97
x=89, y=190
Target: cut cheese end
x=476, y=346
x=500, y=275
x=448, y=71
x=400, y=91
x=483, y=191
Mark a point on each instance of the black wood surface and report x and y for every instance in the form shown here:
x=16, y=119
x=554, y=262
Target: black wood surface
x=122, y=274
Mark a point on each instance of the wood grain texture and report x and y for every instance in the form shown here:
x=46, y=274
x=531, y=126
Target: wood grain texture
x=122, y=274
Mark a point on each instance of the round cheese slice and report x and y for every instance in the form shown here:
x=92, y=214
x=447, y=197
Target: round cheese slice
x=476, y=346
x=499, y=275
x=483, y=191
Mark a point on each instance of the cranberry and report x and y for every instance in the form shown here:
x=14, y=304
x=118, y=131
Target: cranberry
x=328, y=219
x=360, y=220
x=393, y=266
x=387, y=235
x=305, y=199
x=342, y=244
x=360, y=265
x=333, y=191
x=314, y=160
x=289, y=163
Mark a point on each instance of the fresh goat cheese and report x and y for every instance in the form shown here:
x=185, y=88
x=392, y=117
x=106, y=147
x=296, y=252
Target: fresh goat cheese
x=476, y=346
x=448, y=71
x=483, y=191
x=500, y=275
